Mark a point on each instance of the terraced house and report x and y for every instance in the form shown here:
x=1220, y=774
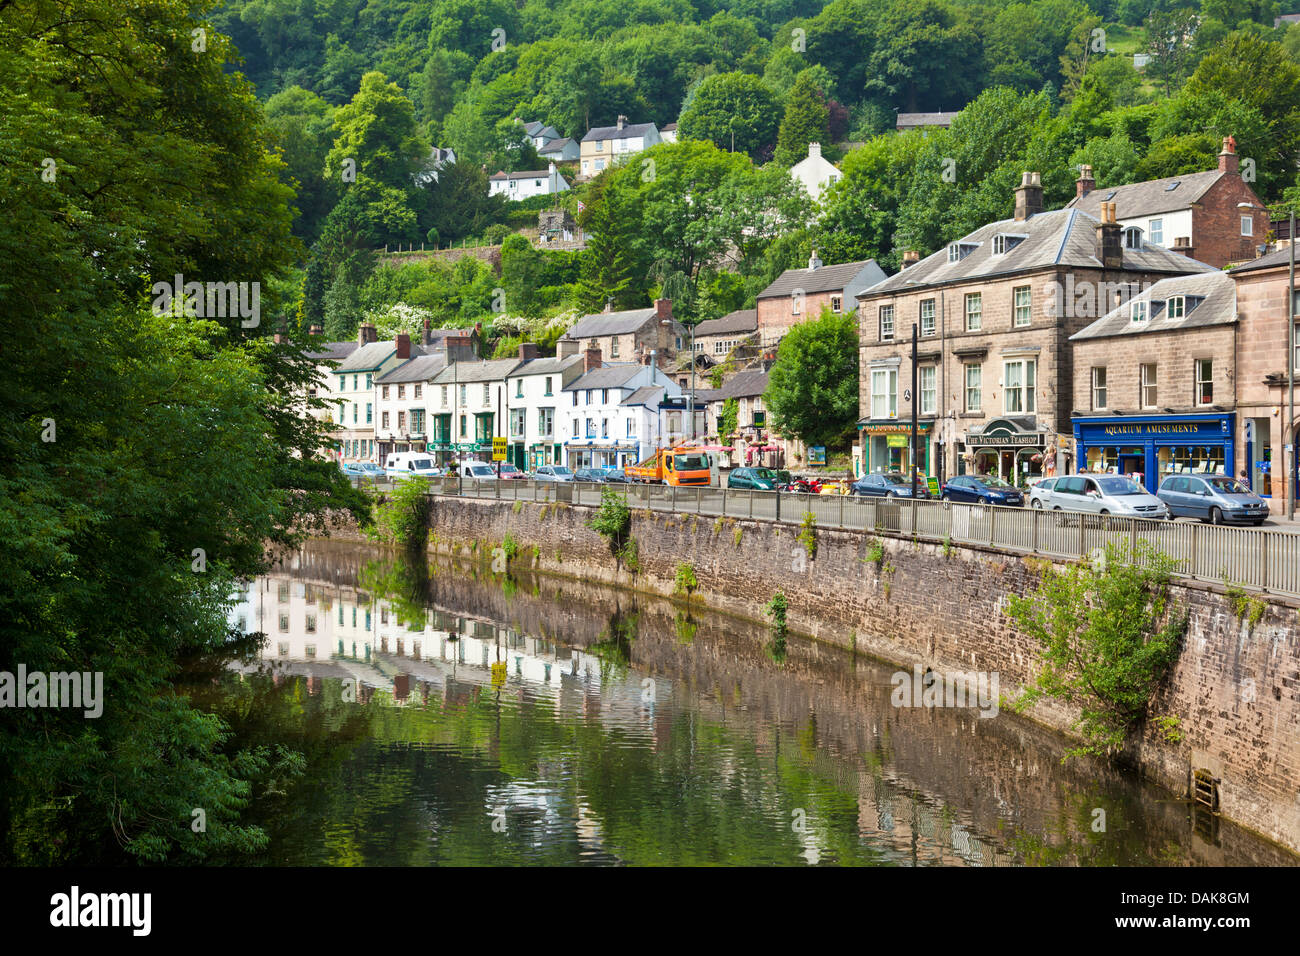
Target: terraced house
x=354, y=390
x=994, y=311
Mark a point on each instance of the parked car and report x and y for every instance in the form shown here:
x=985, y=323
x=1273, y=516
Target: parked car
x=406, y=463
x=890, y=485
x=1213, y=498
x=755, y=479
x=589, y=474
x=617, y=475
x=370, y=470
x=553, y=473
x=1040, y=492
x=1106, y=495
x=982, y=489
x=510, y=473
x=351, y=469
x=478, y=470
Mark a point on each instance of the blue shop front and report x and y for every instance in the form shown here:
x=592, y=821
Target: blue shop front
x=1151, y=447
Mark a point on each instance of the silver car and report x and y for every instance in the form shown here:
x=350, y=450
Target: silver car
x=1040, y=493
x=1213, y=498
x=1105, y=495
x=553, y=473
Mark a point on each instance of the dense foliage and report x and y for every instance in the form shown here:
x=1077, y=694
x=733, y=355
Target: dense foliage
x=147, y=456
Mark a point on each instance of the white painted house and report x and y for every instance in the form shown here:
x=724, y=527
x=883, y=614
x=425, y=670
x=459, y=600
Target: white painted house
x=526, y=184
x=815, y=174
x=595, y=427
x=605, y=145
x=534, y=391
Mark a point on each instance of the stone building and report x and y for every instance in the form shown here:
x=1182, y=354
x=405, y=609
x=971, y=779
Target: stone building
x=799, y=295
x=1263, y=405
x=1154, y=382
x=994, y=310
x=1214, y=215
x=628, y=336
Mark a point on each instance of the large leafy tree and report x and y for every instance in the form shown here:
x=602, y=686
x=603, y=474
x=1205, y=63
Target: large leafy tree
x=148, y=458
x=376, y=132
x=812, y=391
x=734, y=111
x=805, y=121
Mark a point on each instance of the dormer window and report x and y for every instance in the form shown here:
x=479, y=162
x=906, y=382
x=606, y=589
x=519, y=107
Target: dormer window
x=960, y=250
x=1176, y=308
x=1004, y=243
x=954, y=252
x=1133, y=237
x=1139, y=310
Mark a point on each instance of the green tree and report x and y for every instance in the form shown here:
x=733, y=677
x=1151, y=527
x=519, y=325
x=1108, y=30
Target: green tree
x=926, y=56
x=142, y=477
x=376, y=132
x=805, y=120
x=812, y=390
x=301, y=122
x=734, y=111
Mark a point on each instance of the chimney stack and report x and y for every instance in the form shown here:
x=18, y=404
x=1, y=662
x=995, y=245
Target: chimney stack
x=1228, y=159
x=622, y=121
x=1183, y=246
x=814, y=150
x=426, y=335
x=1029, y=196
x=366, y=334
x=315, y=330
x=403, y=343
x=664, y=309
x=1085, y=183
x=813, y=262
x=591, y=358
x=910, y=257
x=566, y=348
x=529, y=351
x=459, y=348
x=1109, y=250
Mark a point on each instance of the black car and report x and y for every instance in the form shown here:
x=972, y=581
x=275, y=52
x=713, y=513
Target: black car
x=590, y=474
x=983, y=490
x=891, y=485
x=615, y=475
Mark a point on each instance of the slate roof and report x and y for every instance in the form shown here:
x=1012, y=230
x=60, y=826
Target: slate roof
x=1149, y=198
x=747, y=384
x=1063, y=237
x=823, y=279
x=607, y=376
x=336, y=351
x=537, y=128
x=650, y=395
x=742, y=320
x=1280, y=257
x=491, y=370
x=521, y=174
x=705, y=395
x=910, y=120
x=1219, y=307
x=422, y=368
x=614, y=323
x=546, y=366
x=555, y=145
x=629, y=131
x=371, y=356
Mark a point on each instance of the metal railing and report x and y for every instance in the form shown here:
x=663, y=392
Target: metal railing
x=1262, y=560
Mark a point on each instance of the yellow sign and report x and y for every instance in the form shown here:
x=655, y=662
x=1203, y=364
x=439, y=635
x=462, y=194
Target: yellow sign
x=499, y=674
x=498, y=449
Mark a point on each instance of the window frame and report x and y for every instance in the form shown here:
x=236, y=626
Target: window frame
x=1204, y=385
x=978, y=313
x=1016, y=306
x=1144, y=385
x=1102, y=388
x=921, y=316
x=978, y=388
x=886, y=312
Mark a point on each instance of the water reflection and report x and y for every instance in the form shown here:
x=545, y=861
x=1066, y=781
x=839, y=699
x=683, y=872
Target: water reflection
x=452, y=716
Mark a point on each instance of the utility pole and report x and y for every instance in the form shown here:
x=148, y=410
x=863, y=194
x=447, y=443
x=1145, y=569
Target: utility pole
x=1290, y=372
x=915, y=401
x=690, y=408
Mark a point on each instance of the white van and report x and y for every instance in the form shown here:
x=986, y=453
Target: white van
x=404, y=463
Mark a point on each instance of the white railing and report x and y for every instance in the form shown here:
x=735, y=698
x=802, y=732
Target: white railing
x=1263, y=560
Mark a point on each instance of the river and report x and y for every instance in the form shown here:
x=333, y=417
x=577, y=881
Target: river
x=450, y=715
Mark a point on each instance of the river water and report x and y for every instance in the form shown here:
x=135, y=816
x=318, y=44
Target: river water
x=449, y=715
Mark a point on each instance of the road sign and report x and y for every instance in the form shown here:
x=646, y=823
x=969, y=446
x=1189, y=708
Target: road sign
x=498, y=449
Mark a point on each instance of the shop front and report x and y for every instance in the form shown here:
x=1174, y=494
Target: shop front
x=1150, y=448
x=1013, y=449
x=885, y=446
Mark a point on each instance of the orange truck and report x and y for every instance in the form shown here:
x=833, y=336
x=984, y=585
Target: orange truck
x=683, y=465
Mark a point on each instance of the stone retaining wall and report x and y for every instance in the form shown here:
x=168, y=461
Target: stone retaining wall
x=1235, y=687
